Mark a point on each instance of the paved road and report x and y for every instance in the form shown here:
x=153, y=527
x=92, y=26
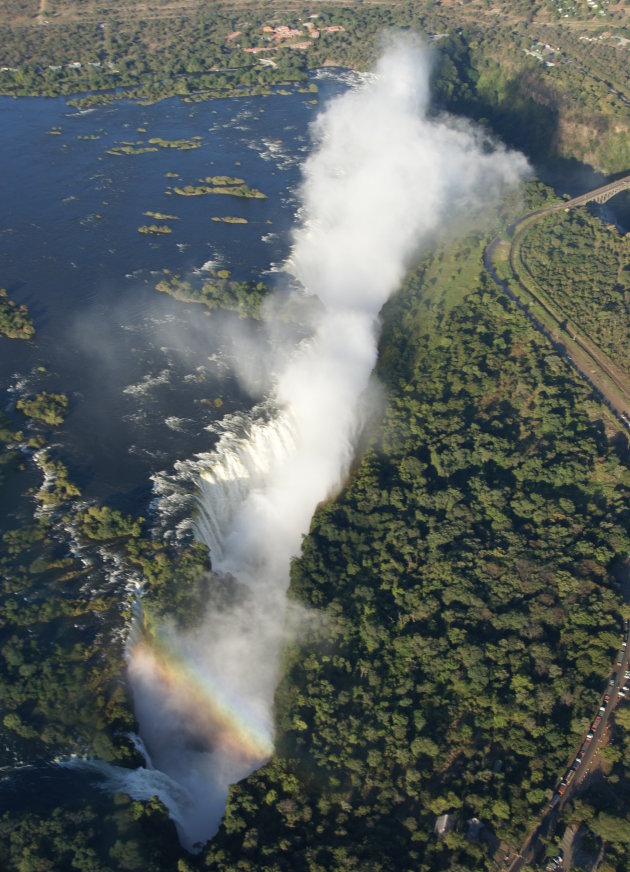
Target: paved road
x=532, y=846
x=619, y=396
x=621, y=409
x=594, y=365
x=600, y=195
x=609, y=190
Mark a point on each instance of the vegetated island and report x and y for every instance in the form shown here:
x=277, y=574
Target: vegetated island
x=179, y=144
x=56, y=487
x=9, y=439
x=155, y=229
x=14, y=320
x=154, y=144
x=49, y=408
x=161, y=216
x=221, y=185
x=218, y=292
x=103, y=523
x=230, y=219
x=130, y=148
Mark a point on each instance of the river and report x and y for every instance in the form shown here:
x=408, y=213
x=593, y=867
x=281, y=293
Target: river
x=135, y=363
x=143, y=372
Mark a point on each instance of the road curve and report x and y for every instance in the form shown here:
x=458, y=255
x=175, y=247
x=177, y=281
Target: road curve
x=532, y=845
x=616, y=395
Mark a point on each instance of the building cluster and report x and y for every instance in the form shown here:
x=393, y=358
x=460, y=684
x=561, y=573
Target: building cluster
x=283, y=34
x=283, y=31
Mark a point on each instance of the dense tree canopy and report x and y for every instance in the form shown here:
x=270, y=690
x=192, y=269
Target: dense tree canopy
x=465, y=614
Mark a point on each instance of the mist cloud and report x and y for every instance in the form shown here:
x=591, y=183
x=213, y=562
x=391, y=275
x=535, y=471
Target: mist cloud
x=382, y=179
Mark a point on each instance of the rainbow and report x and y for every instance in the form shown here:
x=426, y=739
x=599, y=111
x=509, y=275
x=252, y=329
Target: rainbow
x=200, y=702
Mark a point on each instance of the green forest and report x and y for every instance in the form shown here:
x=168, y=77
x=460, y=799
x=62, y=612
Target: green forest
x=554, y=81
x=558, y=252
x=467, y=618
x=603, y=808
x=15, y=321
x=469, y=614
x=464, y=586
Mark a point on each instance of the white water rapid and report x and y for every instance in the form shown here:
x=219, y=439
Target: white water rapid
x=383, y=177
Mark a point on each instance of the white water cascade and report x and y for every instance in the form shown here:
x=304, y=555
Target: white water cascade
x=240, y=465
x=383, y=177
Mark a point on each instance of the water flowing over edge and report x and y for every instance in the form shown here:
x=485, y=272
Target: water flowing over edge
x=382, y=178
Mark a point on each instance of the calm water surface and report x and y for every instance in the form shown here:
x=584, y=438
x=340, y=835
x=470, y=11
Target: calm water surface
x=142, y=371
x=136, y=364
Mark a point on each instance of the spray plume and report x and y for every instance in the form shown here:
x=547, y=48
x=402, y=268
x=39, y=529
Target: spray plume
x=382, y=178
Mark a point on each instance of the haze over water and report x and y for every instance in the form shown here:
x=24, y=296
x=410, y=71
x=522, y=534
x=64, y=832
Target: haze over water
x=381, y=180
x=132, y=359
x=141, y=370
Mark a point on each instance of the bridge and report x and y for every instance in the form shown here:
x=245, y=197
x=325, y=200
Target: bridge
x=599, y=195
x=595, y=366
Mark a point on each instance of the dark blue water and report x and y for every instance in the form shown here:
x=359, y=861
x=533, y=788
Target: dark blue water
x=142, y=371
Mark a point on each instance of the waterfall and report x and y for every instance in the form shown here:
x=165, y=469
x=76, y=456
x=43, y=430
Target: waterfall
x=383, y=176
x=203, y=700
x=241, y=464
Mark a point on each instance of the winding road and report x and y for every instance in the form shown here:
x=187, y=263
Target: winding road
x=610, y=382
x=532, y=845
x=597, y=369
